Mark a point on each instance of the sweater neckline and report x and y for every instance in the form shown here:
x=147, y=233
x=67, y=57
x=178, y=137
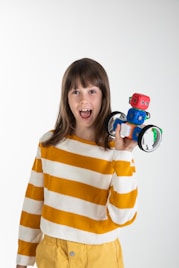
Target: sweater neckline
x=74, y=137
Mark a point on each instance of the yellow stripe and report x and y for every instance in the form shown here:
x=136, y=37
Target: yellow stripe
x=123, y=201
x=35, y=192
x=30, y=220
x=76, y=189
x=123, y=168
x=37, y=165
x=77, y=221
x=80, y=222
x=73, y=137
x=26, y=248
x=95, y=164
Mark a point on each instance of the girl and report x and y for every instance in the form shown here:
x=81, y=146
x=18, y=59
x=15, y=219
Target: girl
x=82, y=187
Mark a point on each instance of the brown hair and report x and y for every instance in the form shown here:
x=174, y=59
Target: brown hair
x=86, y=71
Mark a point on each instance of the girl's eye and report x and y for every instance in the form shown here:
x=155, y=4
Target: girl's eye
x=92, y=91
x=75, y=92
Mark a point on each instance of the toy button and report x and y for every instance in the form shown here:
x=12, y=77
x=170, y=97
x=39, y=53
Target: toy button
x=72, y=253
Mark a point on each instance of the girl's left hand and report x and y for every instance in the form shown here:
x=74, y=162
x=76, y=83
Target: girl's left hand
x=123, y=144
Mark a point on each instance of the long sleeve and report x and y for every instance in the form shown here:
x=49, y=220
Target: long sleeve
x=122, y=202
x=29, y=229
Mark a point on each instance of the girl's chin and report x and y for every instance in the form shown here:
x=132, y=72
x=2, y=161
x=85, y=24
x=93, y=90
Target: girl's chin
x=85, y=123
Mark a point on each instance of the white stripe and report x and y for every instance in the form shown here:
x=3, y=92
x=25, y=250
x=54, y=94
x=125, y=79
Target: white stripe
x=29, y=234
x=37, y=179
x=124, y=184
x=25, y=260
x=32, y=206
x=46, y=136
x=72, y=234
x=123, y=155
x=75, y=205
x=68, y=172
x=85, y=149
x=121, y=216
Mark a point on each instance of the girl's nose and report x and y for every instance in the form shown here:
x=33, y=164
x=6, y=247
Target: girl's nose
x=84, y=98
x=84, y=101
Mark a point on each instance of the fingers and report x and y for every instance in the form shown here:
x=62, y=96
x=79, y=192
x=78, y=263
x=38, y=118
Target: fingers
x=117, y=134
x=125, y=144
x=118, y=140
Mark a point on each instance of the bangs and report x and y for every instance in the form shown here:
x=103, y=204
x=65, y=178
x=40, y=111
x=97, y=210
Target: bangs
x=84, y=81
x=84, y=75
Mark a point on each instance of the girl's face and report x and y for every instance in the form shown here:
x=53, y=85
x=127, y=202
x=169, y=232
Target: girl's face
x=85, y=104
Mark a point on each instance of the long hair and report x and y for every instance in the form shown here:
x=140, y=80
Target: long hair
x=85, y=71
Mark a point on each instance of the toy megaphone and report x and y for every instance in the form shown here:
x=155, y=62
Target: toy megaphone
x=148, y=137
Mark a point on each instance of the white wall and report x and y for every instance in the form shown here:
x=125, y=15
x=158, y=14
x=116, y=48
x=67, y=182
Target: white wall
x=137, y=42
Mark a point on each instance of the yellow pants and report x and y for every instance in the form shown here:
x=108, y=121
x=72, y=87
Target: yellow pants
x=58, y=253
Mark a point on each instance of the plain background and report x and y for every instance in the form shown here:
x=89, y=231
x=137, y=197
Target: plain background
x=137, y=43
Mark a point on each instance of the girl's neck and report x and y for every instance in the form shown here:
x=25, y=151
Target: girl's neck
x=85, y=134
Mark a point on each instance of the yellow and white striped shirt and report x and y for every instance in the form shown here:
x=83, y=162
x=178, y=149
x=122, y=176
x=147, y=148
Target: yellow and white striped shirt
x=79, y=192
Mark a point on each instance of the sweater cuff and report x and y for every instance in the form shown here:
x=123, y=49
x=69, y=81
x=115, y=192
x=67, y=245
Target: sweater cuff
x=123, y=155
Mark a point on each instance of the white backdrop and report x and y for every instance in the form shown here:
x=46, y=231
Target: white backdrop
x=137, y=43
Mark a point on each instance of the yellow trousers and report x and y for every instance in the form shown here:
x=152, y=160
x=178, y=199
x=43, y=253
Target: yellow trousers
x=58, y=253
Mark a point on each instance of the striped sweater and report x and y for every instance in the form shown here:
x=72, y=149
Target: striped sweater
x=79, y=192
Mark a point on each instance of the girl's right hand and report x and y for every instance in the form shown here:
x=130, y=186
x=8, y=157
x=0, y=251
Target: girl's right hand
x=123, y=144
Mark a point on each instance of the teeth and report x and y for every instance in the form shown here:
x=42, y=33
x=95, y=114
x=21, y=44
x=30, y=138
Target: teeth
x=85, y=110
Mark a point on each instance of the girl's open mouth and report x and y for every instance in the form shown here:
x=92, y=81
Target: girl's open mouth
x=85, y=113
